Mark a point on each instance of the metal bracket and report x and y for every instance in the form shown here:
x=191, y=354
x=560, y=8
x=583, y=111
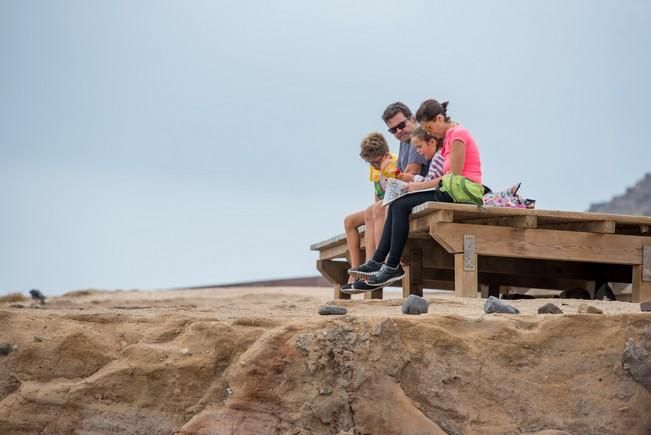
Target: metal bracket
x=646, y=263
x=469, y=263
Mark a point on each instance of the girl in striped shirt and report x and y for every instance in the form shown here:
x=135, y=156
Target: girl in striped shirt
x=429, y=147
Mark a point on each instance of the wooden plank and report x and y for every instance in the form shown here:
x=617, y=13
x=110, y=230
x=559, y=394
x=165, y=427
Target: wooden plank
x=465, y=282
x=601, y=227
x=541, y=244
x=506, y=221
x=466, y=211
x=332, y=252
x=641, y=289
x=421, y=224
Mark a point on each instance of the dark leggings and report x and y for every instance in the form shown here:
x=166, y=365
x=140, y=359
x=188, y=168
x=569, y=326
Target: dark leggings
x=396, y=227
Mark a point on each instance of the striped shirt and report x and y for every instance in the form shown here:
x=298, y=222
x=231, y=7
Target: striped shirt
x=435, y=169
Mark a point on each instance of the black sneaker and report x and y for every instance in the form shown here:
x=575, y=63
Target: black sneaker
x=357, y=287
x=362, y=271
x=385, y=276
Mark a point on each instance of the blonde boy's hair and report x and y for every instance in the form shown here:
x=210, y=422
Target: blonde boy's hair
x=374, y=145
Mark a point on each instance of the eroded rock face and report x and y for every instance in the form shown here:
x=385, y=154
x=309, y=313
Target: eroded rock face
x=636, y=359
x=433, y=374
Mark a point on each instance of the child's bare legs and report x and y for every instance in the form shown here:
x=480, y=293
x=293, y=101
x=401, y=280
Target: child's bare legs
x=351, y=222
x=379, y=217
x=370, y=242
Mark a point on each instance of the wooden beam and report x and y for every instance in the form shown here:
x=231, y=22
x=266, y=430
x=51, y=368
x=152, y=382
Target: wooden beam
x=375, y=294
x=336, y=251
x=337, y=273
x=465, y=282
x=601, y=227
x=507, y=221
x=641, y=288
x=421, y=224
x=412, y=283
x=541, y=244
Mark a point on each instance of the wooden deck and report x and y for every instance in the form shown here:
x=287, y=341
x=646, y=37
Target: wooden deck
x=458, y=246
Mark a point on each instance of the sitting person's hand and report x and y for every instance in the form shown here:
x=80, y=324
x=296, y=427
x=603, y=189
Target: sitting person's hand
x=387, y=160
x=412, y=187
x=405, y=177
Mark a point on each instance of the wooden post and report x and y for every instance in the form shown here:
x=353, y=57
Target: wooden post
x=412, y=282
x=641, y=288
x=337, y=273
x=465, y=282
x=375, y=294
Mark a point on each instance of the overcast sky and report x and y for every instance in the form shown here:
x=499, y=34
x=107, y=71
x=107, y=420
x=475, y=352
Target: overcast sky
x=157, y=144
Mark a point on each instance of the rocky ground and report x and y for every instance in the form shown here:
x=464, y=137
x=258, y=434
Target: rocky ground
x=262, y=361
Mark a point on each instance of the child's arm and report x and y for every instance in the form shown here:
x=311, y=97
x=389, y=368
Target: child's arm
x=388, y=166
x=406, y=177
x=413, y=187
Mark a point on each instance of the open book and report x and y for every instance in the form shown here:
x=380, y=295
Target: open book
x=396, y=188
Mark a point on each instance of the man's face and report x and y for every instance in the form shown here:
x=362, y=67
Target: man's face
x=401, y=127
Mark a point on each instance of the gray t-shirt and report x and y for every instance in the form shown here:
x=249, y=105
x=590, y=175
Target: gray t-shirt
x=408, y=155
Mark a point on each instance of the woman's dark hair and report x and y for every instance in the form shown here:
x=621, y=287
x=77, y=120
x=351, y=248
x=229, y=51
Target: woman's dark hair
x=430, y=109
x=423, y=135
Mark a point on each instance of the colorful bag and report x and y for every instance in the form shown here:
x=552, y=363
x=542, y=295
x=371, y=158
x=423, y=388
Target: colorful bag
x=508, y=198
x=462, y=190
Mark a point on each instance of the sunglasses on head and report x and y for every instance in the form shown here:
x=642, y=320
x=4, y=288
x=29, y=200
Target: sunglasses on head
x=399, y=126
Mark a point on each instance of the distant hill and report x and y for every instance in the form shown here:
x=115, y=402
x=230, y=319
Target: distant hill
x=306, y=281
x=636, y=200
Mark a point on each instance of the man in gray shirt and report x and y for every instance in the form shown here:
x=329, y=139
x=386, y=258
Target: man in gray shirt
x=401, y=123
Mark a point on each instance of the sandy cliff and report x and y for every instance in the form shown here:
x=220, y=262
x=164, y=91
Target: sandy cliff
x=262, y=361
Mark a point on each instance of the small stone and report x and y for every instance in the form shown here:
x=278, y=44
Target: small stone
x=327, y=310
x=39, y=339
x=594, y=310
x=645, y=306
x=494, y=305
x=415, y=305
x=549, y=308
x=5, y=348
x=588, y=309
x=185, y=351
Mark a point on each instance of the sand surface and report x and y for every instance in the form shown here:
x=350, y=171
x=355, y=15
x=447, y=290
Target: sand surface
x=261, y=360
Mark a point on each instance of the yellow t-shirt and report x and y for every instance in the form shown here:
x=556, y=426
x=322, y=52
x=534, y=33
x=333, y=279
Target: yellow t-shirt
x=379, y=177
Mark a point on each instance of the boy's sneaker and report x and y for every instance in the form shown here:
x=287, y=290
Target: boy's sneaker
x=385, y=276
x=364, y=270
x=357, y=287
x=363, y=286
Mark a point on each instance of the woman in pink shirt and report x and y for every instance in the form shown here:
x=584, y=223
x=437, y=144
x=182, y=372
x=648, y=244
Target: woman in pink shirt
x=461, y=157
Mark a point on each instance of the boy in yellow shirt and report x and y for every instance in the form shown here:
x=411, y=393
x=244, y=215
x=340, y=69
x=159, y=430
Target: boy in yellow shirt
x=374, y=149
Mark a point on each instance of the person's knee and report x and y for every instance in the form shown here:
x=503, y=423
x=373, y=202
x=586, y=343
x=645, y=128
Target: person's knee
x=368, y=214
x=350, y=222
